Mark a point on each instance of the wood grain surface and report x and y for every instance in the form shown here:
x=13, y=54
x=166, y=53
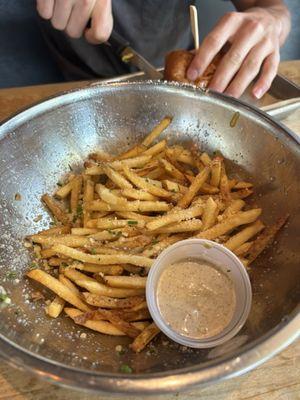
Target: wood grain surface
x=277, y=379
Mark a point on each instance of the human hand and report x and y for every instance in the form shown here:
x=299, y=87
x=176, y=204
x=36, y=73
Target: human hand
x=72, y=16
x=255, y=38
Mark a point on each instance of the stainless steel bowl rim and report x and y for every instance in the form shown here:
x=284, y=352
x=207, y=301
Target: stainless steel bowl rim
x=254, y=353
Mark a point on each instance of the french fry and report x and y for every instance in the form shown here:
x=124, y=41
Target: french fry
x=107, y=223
x=247, y=233
x=137, y=206
x=134, y=216
x=108, y=196
x=240, y=218
x=243, y=185
x=216, y=167
x=88, y=195
x=241, y=194
x=65, y=281
x=124, y=326
x=175, y=216
x=180, y=154
x=243, y=249
x=205, y=159
x=158, y=246
x=208, y=189
x=138, y=194
x=154, y=174
x=117, y=178
x=157, y=131
x=199, y=180
x=47, y=253
x=100, y=155
x=172, y=170
x=55, y=308
x=111, y=302
x=83, y=231
x=209, y=214
x=145, y=184
x=68, y=240
x=183, y=226
x=224, y=186
x=103, y=259
x=105, y=235
x=130, y=282
x=55, y=209
x=76, y=190
x=141, y=341
x=233, y=207
x=65, y=190
x=56, y=262
x=139, y=307
x=104, y=269
x=133, y=152
x=266, y=238
x=99, y=326
x=156, y=149
x=57, y=230
x=136, y=162
x=58, y=288
x=96, y=287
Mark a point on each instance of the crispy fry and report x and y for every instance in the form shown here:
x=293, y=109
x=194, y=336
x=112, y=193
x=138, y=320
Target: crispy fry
x=138, y=194
x=205, y=159
x=100, y=155
x=111, y=302
x=158, y=246
x=96, y=287
x=145, y=184
x=209, y=214
x=65, y=281
x=247, y=233
x=243, y=249
x=76, y=189
x=157, y=131
x=183, y=226
x=136, y=162
x=55, y=308
x=216, y=167
x=240, y=218
x=133, y=152
x=187, y=198
x=83, y=231
x=99, y=326
x=241, y=194
x=243, y=185
x=68, y=240
x=233, y=207
x=175, y=216
x=130, y=282
x=55, y=209
x=134, y=216
x=57, y=287
x=266, y=238
x=180, y=154
x=137, y=206
x=116, y=177
x=156, y=149
x=224, y=186
x=172, y=170
x=47, y=253
x=88, y=195
x=57, y=230
x=104, y=269
x=141, y=341
x=108, y=223
x=103, y=259
x=65, y=190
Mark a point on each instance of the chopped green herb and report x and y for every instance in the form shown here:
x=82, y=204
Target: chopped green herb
x=126, y=369
x=93, y=251
x=64, y=265
x=79, y=209
x=59, y=184
x=173, y=190
x=4, y=298
x=70, y=167
x=33, y=265
x=132, y=222
x=74, y=218
x=52, y=223
x=11, y=275
x=154, y=241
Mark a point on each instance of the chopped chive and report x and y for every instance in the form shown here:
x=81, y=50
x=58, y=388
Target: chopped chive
x=132, y=222
x=93, y=251
x=126, y=369
x=11, y=275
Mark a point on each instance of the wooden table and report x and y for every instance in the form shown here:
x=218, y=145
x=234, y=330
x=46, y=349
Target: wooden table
x=277, y=379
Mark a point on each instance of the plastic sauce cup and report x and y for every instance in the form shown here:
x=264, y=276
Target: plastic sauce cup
x=224, y=260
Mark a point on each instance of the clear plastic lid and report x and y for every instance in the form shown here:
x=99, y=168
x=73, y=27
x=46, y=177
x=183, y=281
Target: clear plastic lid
x=226, y=262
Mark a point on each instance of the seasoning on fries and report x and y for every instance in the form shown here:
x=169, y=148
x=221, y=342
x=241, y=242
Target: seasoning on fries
x=117, y=215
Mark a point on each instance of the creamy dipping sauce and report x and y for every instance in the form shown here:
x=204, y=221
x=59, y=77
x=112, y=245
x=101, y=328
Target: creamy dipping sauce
x=195, y=298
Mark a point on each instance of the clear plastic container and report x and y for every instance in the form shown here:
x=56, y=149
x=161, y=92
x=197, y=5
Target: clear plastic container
x=225, y=261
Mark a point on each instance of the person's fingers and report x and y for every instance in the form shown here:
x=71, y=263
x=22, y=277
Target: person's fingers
x=249, y=69
x=268, y=73
x=79, y=18
x=45, y=8
x=213, y=43
x=102, y=23
x=61, y=13
x=244, y=40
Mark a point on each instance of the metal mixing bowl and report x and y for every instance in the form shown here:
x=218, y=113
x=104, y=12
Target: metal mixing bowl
x=38, y=145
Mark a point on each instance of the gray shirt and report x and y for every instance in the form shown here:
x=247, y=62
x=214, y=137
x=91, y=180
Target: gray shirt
x=153, y=27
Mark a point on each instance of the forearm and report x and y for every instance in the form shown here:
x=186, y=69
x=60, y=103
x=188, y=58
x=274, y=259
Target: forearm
x=276, y=8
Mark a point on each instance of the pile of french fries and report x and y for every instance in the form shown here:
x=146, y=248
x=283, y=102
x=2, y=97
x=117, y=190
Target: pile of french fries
x=120, y=213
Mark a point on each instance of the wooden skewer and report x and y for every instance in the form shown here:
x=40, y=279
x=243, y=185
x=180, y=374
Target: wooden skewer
x=194, y=25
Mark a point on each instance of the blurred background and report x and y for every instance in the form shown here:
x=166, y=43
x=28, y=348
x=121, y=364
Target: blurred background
x=25, y=59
